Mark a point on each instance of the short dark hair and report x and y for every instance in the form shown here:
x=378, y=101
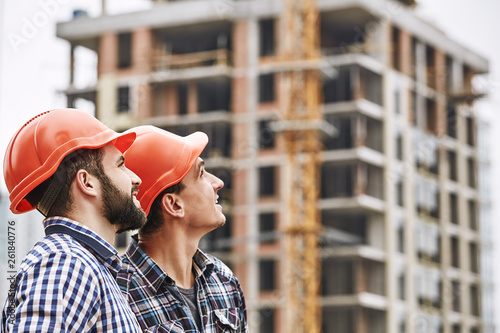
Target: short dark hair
x=154, y=220
x=87, y=159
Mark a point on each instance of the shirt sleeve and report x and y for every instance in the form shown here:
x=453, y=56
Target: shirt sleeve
x=59, y=293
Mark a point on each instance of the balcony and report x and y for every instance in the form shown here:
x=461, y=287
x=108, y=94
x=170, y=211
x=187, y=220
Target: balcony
x=352, y=82
x=167, y=61
x=349, y=277
x=343, y=32
x=348, y=314
x=348, y=179
x=354, y=130
x=465, y=92
x=205, y=47
x=192, y=101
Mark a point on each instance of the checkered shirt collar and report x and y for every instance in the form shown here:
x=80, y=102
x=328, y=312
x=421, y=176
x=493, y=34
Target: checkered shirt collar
x=103, y=251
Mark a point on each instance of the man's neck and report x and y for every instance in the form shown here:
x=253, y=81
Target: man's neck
x=173, y=252
x=97, y=223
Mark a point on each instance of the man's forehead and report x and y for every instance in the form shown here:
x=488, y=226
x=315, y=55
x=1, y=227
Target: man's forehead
x=111, y=152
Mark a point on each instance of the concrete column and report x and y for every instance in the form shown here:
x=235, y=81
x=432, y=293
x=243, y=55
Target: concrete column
x=239, y=105
x=387, y=226
x=360, y=276
x=252, y=46
x=380, y=42
x=107, y=96
x=405, y=52
x=241, y=144
x=142, y=50
x=420, y=63
x=360, y=179
x=360, y=130
x=239, y=102
x=144, y=104
x=419, y=112
x=409, y=203
x=468, y=75
x=440, y=68
x=444, y=199
x=356, y=83
x=409, y=109
x=107, y=53
x=457, y=74
x=170, y=100
x=71, y=64
x=192, y=98
x=361, y=321
x=106, y=73
x=440, y=59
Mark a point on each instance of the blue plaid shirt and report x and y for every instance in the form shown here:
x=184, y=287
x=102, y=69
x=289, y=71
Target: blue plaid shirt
x=66, y=283
x=158, y=304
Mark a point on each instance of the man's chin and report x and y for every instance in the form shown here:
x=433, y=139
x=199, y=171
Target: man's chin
x=129, y=227
x=127, y=223
x=220, y=223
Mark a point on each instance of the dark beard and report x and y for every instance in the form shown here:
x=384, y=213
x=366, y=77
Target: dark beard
x=119, y=208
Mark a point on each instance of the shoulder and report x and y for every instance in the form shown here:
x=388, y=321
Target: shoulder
x=127, y=265
x=132, y=261
x=126, y=274
x=137, y=277
x=57, y=275
x=130, y=268
x=220, y=267
x=223, y=275
x=61, y=254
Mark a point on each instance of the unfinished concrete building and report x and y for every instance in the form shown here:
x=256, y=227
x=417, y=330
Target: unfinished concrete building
x=404, y=206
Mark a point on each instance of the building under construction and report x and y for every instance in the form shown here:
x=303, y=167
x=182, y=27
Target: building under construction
x=403, y=195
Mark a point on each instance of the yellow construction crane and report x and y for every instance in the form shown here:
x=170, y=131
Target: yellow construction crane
x=300, y=123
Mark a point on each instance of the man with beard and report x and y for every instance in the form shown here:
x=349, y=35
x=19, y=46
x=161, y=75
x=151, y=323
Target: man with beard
x=70, y=167
x=169, y=282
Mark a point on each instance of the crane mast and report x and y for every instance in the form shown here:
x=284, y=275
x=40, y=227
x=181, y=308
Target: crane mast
x=301, y=119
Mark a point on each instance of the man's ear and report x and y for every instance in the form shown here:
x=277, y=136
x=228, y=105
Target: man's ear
x=172, y=204
x=86, y=183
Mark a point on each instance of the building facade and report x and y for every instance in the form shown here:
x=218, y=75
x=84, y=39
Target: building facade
x=404, y=206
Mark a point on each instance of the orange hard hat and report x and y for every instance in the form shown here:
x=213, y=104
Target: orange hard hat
x=35, y=151
x=161, y=159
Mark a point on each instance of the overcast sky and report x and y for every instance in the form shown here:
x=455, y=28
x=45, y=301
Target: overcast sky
x=34, y=64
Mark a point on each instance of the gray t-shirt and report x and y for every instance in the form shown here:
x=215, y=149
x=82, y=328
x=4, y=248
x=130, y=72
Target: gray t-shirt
x=190, y=298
